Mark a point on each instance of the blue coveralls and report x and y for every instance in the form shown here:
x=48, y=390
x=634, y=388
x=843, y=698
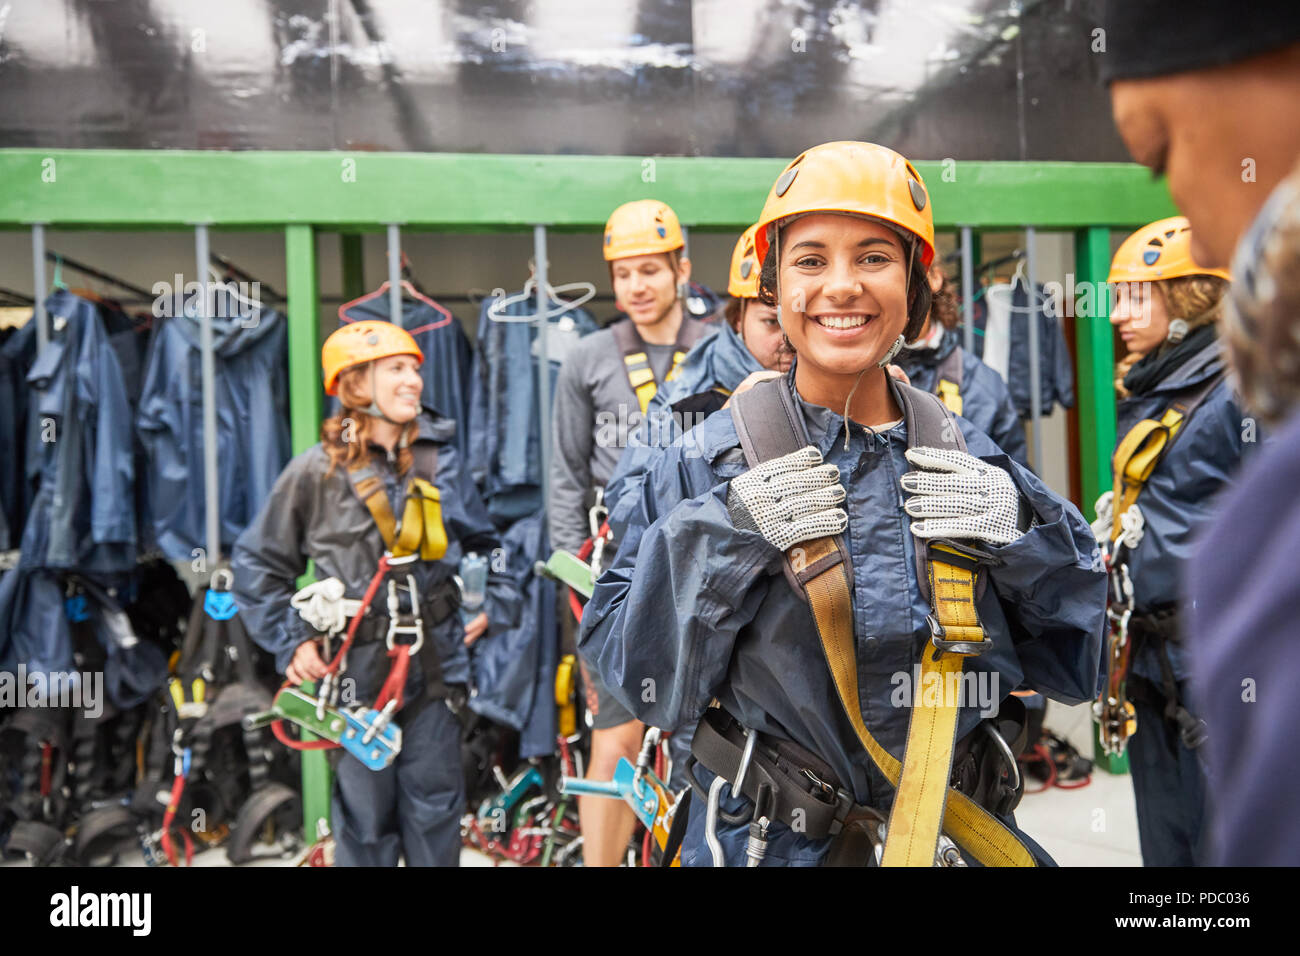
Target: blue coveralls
x=1177, y=500
x=411, y=809
x=709, y=614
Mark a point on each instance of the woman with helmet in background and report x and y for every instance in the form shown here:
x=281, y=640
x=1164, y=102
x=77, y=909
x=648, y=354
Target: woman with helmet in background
x=384, y=480
x=786, y=528
x=1181, y=429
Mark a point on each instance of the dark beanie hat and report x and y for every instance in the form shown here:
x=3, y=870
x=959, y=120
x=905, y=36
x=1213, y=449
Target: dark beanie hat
x=1147, y=38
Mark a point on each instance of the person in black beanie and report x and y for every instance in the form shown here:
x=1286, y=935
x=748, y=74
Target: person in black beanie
x=1210, y=95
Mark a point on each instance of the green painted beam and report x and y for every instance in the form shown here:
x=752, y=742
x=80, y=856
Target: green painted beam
x=1095, y=346
x=304, y=420
x=145, y=188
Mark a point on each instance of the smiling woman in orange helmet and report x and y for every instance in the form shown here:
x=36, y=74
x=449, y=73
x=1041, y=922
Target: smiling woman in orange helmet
x=383, y=480
x=1181, y=429
x=788, y=580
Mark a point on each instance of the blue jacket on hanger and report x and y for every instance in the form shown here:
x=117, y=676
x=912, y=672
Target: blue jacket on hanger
x=253, y=441
x=504, y=451
x=79, y=442
x=514, y=672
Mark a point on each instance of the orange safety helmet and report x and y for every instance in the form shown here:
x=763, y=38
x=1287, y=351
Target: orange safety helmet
x=640, y=228
x=745, y=267
x=1161, y=250
x=361, y=342
x=849, y=177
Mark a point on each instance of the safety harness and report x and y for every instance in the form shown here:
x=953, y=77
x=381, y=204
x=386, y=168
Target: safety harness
x=637, y=362
x=769, y=426
x=1134, y=462
x=368, y=733
x=421, y=529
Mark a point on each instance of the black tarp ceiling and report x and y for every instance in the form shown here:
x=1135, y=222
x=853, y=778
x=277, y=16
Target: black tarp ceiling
x=968, y=79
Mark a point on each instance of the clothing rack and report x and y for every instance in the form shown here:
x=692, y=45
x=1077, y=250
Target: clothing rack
x=98, y=274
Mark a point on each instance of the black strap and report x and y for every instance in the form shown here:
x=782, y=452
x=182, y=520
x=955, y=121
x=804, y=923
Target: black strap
x=425, y=458
x=797, y=800
x=950, y=368
x=677, y=832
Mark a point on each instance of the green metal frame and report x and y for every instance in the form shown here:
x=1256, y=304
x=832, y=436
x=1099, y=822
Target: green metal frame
x=306, y=192
x=136, y=189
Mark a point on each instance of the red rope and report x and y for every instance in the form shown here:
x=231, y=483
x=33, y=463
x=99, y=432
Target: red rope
x=277, y=727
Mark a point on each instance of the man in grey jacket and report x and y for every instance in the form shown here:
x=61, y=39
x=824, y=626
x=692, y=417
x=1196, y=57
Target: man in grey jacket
x=603, y=390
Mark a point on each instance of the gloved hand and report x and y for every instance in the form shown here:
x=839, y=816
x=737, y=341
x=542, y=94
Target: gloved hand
x=959, y=496
x=322, y=605
x=789, y=499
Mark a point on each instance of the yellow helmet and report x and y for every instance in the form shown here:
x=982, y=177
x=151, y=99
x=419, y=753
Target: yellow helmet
x=640, y=228
x=850, y=177
x=361, y=342
x=745, y=267
x=1160, y=250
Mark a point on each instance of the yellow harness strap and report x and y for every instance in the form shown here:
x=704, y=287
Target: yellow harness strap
x=565, y=688
x=421, y=529
x=924, y=802
x=1136, y=458
x=950, y=394
x=642, y=378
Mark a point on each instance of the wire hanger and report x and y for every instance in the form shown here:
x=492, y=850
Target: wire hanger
x=228, y=286
x=230, y=269
x=529, y=293
x=409, y=288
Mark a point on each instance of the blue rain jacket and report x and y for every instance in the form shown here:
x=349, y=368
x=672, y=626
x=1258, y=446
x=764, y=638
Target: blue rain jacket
x=312, y=516
x=708, y=612
x=514, y=673
x=79, y=447
x=1181, y=494
x=986, y=402
x=447, y=355
x=720, y=360
x=505, y=454
x=253, y=442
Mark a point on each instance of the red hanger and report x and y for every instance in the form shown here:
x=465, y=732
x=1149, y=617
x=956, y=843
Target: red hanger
x=410, y=290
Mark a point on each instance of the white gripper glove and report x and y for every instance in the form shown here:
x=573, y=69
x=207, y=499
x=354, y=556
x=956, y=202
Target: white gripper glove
x=789, y=499
x=955, y=495
x=322, y=605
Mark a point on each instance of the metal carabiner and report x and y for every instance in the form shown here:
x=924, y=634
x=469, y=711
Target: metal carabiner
x=416, y=626
x=711, y=822
x=746, y=756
